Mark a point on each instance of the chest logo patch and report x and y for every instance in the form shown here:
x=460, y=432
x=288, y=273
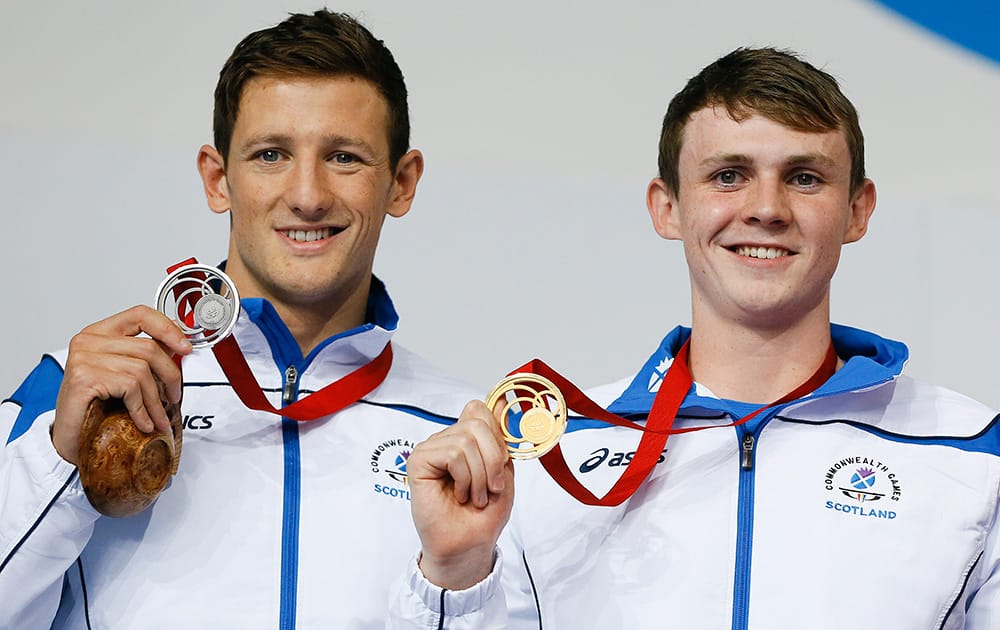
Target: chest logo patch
x=862, y=487
x=388, y=464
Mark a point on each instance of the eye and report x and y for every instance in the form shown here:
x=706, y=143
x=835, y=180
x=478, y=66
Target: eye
x=806, y=180
x=727, y=178
x=269, y=156
x=344, y=158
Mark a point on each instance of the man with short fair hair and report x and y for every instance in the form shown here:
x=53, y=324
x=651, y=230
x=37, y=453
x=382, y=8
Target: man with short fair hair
x=808, y=482
x=269, y=522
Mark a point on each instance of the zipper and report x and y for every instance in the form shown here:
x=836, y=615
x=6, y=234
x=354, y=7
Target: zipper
x=291, y=380
x=746, y=461
x=744, y=528
x=290, y=507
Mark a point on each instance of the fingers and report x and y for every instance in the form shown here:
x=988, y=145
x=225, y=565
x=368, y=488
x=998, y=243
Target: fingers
x=107, y=374
x=471, y=455
x=143, y=319
x=109, y=360
x=118, y=335
x=485, y=452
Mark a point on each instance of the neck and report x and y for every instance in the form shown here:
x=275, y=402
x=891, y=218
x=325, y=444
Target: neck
x=311, y=325
x=311, y=318
x=757, y=365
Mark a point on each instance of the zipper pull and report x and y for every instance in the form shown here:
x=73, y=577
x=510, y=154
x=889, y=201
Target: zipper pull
x=747, y=461
x=288, y=392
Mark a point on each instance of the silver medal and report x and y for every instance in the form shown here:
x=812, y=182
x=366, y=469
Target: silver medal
x=191, y=290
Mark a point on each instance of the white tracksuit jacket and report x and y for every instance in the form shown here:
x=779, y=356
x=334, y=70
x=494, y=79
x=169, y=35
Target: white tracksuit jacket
x=870, y=503
x=268, y=523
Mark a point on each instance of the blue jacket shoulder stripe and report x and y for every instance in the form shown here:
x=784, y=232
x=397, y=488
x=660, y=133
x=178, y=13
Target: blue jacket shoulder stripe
x=36, y=395
x=986, y=441
x=414, y=411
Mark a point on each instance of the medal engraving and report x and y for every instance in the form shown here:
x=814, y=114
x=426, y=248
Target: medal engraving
x=202, y=300
x=538, y=408
x=211, y=312
x=537, y=425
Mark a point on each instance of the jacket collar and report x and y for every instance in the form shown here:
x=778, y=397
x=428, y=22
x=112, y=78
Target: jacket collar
x=260, y=327
x=870, y=360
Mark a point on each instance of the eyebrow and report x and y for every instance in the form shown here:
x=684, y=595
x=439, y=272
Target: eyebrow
x=726, y=158
x=818, y=159
x=281, y=139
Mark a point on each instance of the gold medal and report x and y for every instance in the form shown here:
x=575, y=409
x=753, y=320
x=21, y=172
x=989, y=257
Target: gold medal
x=542, y=411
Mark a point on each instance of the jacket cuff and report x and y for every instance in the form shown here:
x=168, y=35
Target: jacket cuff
x=48, y=473
x=455, y=603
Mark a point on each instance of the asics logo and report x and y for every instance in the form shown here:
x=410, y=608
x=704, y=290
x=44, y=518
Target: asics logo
x=604, y=455
x=198, y=422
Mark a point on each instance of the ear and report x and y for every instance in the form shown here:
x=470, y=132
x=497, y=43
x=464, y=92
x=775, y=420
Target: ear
x=862, y=206
x=662, y=205
x=404, y=183
x=213, y=177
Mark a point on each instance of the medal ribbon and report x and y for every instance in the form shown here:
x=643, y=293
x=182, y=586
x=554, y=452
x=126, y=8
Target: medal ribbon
x=326, y=401
x=659, y=424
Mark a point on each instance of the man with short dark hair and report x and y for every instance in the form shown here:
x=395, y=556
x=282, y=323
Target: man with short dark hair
x=268, y=522
x=808, y=482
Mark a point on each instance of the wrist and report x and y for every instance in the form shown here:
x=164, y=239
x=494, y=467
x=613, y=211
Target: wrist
x=459, y=571
x=66, y=451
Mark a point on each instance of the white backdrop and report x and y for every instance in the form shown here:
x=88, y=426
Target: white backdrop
x=539, y=124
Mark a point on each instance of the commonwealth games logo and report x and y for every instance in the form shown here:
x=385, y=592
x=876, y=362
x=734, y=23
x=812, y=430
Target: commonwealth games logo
x=863, y=480
x=398, y=471
x=861, y=483
x=390, y=458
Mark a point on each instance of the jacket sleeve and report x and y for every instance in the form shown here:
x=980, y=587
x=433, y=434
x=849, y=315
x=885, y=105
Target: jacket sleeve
x=505, y=599
x=418, y=604
x=45, y=517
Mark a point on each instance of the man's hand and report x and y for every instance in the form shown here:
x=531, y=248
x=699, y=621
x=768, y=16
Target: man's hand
x=108, y=360
x=462, y=490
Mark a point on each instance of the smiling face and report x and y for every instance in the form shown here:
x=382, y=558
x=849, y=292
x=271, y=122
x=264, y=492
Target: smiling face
x=308, y=183
x=762, y=210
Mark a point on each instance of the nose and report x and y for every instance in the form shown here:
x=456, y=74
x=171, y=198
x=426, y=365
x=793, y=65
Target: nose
x=768, y=204
x=308, y=191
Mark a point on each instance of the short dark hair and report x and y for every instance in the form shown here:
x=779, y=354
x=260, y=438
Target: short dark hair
x=774, y=83
x=317, y=45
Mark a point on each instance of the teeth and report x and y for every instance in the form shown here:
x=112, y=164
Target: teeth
x=761, y=252
x=304, y=236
